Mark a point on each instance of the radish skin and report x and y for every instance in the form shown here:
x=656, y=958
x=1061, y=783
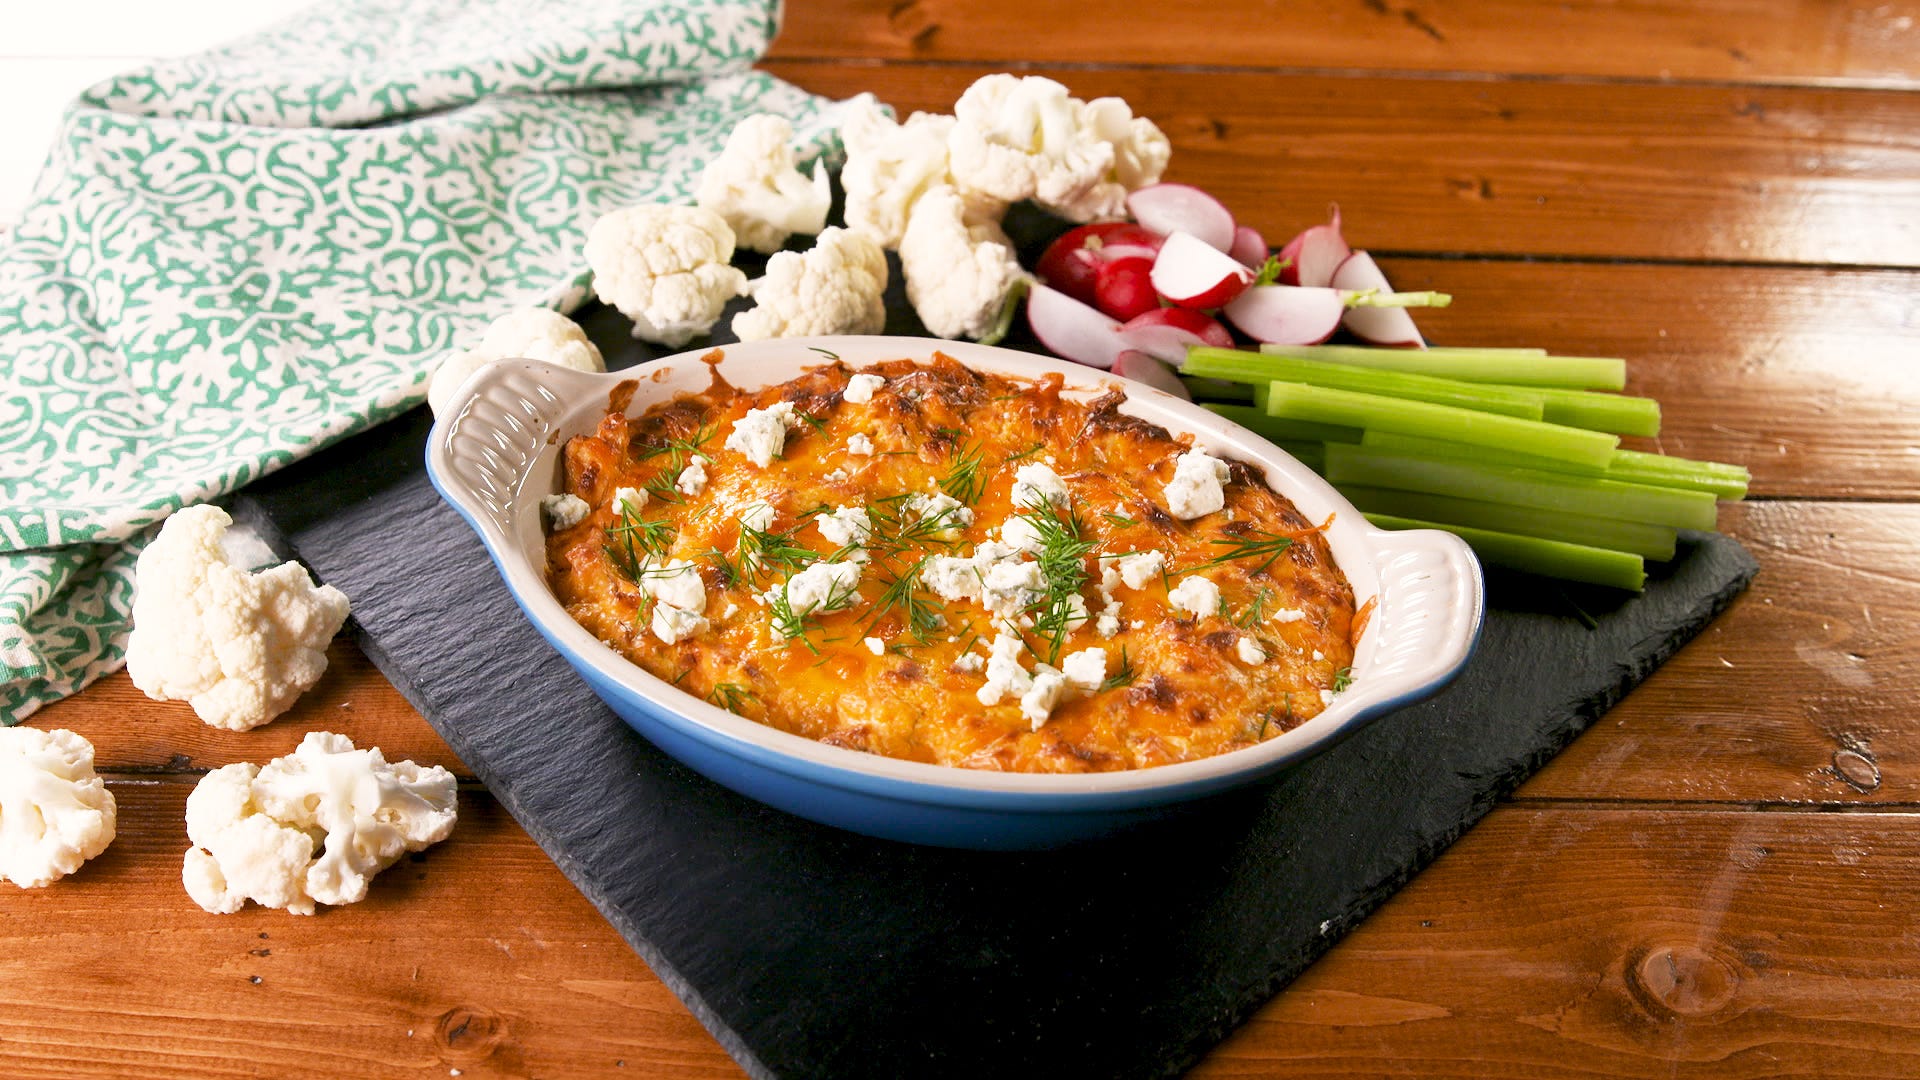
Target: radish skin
x=1311, y=258
x=1287, y=314
x=1167, y=333
x=1071, y=330
x=1194, y=274
x=1375, y=325
x=1170, y=208
x=1142, y=368
x=1249, y=247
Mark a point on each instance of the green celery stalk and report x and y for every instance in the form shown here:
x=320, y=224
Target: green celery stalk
x=1648, y=541
x=1537, y=488
x=1552, y=558
x=1618, y=413
x=1519, y=367
x=1505, y=400
x=1274, y=429
x=1311, y=454
x=1628, y=466
x=1218, y=390
x=1298, y=401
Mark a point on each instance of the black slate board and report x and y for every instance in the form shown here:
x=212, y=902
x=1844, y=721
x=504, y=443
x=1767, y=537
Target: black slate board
x=810, y=952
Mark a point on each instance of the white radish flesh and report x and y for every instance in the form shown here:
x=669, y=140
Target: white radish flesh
x=1195, y=274
x=1375, y=325
x=1170, y=208
x=1249, y=247
x=1072, y=330
x=1313, y=256
x=1142, y=368
x=1167, y=333
x=1287, y=314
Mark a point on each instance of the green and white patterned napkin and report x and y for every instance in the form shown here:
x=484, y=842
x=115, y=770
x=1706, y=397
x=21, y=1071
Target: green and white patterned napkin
x=236, y=258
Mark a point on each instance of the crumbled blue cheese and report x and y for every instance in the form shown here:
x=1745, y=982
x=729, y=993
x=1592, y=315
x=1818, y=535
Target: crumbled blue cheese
x=679, y=597
x=1109, y=624
x=756, y=517
x=1318, y=655
x=761, y=435
x=847, y=526
x=945, y=515
x=1036, y=485
x=875, y=646
x=565, y=511
x=693, y=479
x=970, y=662
x=1047, y=690
x=1140, y=568
x=1195, y=489
x=1196, y=595
x=1086, y=669
x=629, y=500
x=955, y=578
x=1009, y=588
x=1020, y=533
x=1005, y=676
x=1250, y=651
x=1326, y=697
x=1077, y=613
x=1286, y=615
x=837, y=476
x=860, y=444
x=673, y=625
x=860, y=388
x=821, y=587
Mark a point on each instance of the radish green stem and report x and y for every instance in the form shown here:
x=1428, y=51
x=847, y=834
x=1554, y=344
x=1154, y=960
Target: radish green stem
x=1519, y=367
x=1628, y=466
x=1537, y=488
x=1274, y=429
x=1298, y=401
x=1570, y=562
x=1648, y=541
x=1376, y=298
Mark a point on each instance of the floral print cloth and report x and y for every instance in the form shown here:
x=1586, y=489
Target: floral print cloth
x=233, y=259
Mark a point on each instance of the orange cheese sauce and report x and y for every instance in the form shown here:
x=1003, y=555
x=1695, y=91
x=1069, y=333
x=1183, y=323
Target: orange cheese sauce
x=1186, y=689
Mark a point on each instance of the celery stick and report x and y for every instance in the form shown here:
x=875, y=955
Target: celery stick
x=1628, y=466
x=1277, y=430
x=1521, y=487
x=1218, y=390
x=1617, y=413
x=1552, y=558
x=1517, y=367
x=1505, y=400
x=1311, y=454
x=1648, y=541
x=1298, y=401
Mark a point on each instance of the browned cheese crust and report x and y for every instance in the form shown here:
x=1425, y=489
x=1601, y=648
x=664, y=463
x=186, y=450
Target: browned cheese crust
x=1186, y=690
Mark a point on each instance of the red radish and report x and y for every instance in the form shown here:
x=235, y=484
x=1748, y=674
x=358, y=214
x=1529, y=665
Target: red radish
x=1249, y=246
x=1071, y=329
x=1072, y=262
x=1142, y=368
x=1171, y=208
x=1194, y=274
x=1375, y=325
x=1288, y=314
x=1124, y=288
x=1311, y=258
x=1165, y=333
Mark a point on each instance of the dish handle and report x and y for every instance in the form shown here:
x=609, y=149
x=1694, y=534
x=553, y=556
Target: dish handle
x=1428, y=618
x=481, y=454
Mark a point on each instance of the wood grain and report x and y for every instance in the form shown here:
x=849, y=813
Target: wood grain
x=1719, y=40
x=1553, y=943
x=1771, y=175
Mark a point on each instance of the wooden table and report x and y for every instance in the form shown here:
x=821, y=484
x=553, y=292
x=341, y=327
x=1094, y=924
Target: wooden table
x=1722, y=878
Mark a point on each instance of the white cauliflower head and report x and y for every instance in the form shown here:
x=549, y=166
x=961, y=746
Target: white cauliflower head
x=835, y=287
x=890, y=166
x=665, y=267
x=535, y=333
x=55, y=812
x=255, y=829
x=755, y=186
x=958, y=274
x=1027, y=138
x=239, y=647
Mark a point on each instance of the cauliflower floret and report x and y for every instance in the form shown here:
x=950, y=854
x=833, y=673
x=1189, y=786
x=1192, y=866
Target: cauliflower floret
x=665, y=267
x=1027, y=138
x=55, y=812
x=890, y=166
x=528, y=334
x=836, y=287
x=254, y=828
x=958, y=274
x=239, y=647
x=754, y=185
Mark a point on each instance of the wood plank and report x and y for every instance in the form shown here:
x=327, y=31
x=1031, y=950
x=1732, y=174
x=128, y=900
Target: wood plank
x=1803, y=692
x=1721, y=40
x=1804, y=376
x=1560, y=944
x=1755, y=175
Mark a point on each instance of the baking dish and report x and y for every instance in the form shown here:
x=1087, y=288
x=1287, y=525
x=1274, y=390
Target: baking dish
x=497, y=453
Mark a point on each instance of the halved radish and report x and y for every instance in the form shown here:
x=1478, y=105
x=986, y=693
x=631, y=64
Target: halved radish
x=1072, y=330
x=1288, y=314
x=1375, y=325
x=1072, y=262
x=1125, y=288
x=1138, y=366
x=1193, y=273
x=1165, y=333
x=1249, y=246
x=1311, y=258
x=1171, y=208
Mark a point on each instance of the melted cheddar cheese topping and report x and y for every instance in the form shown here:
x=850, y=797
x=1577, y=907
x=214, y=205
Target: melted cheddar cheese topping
x=951, y=567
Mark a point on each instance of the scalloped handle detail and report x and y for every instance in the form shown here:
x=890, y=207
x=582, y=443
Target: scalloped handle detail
x=503, y=417
x=1430, y=606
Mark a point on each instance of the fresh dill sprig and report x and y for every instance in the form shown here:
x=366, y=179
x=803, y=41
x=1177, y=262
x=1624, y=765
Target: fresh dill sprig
x=791, y=623
x=828, y=353
x=1119, y=521
x=1063, y=569
x=1256, y=611
x=729, y=572
x=635, y=540
x=1342, y=679
x=1122, y=676
x=1250, y=546
x=679, y=451
x=663, y=488
x=1025, y=454
x=731, y=696
x=963, y=480
x=760, y=550
x=921, y=615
